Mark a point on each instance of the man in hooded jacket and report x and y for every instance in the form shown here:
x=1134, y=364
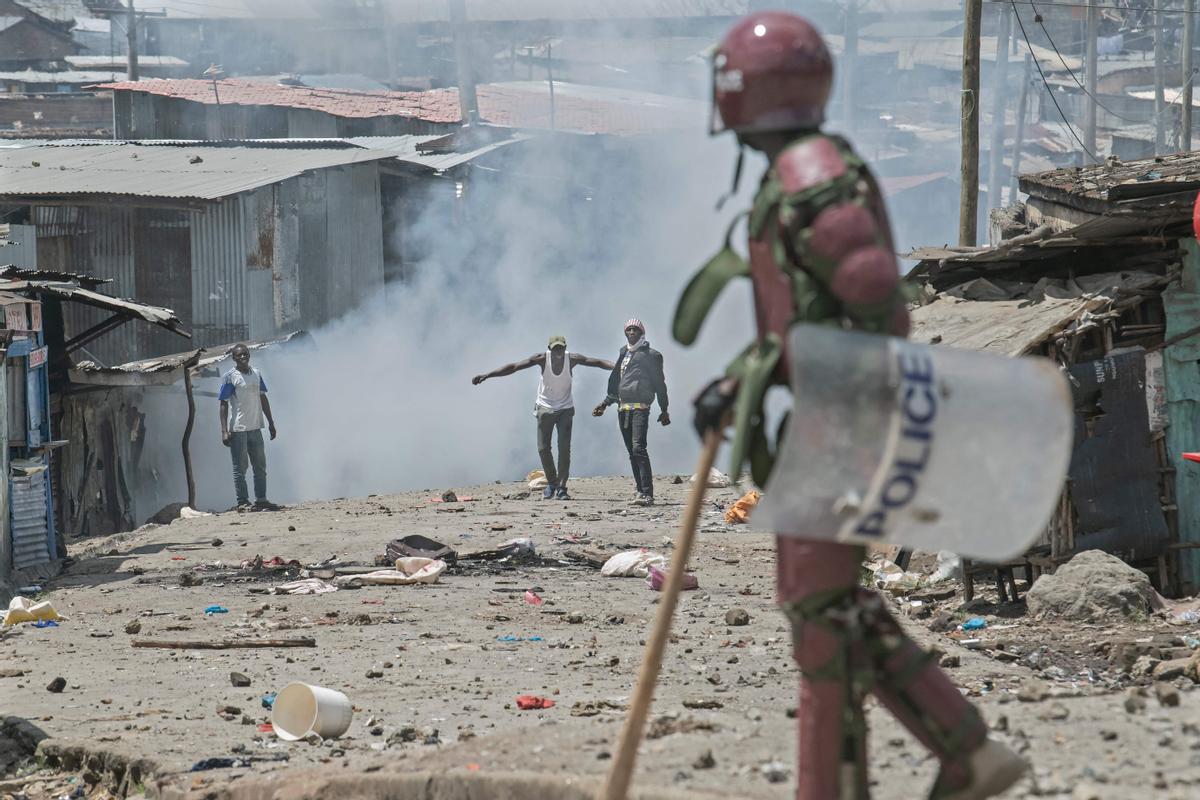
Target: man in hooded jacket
x=636, y=381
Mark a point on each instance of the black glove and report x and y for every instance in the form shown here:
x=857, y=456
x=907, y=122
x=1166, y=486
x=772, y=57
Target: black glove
x=714, y=404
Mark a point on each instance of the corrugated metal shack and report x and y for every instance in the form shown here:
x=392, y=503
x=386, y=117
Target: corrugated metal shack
x=243, y=242
x=108, y=485
x=1099, y=271
x=32, y=384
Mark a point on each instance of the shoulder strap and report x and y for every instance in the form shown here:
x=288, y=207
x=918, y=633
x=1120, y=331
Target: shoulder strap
x=706, y=286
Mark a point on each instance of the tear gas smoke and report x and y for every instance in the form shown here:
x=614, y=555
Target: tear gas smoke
x=573, y=240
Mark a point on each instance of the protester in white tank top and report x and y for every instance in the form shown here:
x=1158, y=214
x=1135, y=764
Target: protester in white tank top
x=554, y=390
x=554, y=407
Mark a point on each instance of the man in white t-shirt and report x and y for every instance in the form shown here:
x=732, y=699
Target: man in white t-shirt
x=555, y=407
x=244, y=404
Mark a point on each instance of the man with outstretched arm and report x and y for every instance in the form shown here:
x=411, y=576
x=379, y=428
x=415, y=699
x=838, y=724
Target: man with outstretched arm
x=634, y=384
x=244, y=404
x=554, y=408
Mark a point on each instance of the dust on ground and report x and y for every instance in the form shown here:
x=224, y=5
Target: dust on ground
x=434, y=670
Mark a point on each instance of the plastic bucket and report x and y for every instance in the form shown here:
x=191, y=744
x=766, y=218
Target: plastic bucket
x=301, y=710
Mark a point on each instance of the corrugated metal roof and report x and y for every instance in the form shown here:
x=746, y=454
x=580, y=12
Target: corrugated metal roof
x=120, y=62
x=70, y=290
x=418, y=11
x=524, y=104
x=408, y=149
x=62, y=76
x=189, y=172
x=166, y=370
x=57, y=10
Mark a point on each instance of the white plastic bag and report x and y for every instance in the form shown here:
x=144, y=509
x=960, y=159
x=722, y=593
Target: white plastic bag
x=633, y=564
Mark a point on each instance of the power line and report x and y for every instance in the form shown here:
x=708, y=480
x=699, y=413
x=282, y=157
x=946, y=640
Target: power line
x=1074, y=77
x=1061, y=4
x=1061, y=113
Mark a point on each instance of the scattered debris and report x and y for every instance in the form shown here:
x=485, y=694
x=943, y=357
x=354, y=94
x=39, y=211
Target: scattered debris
x=418, y=546
x=22, y=609
x=225, y=644
x=658, y=579
x=239, y=679
x=408, y=571
x=632, y=564
x=305, y=586
x=133, y=627
x=593, y=707
x=737, y=616
x=716, y=479
x=697, y=704
x=667, y=725
x=527, y=702
x=739, y=512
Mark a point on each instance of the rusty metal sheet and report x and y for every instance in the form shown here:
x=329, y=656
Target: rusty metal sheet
x=1114, y=470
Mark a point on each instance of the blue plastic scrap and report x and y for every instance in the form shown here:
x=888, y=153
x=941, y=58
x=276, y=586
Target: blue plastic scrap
x=45, y=623
x=268, y=700
x=974, y=624
x=216, y=610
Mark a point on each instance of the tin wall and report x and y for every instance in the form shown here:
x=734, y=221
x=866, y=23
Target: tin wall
x=94, y=241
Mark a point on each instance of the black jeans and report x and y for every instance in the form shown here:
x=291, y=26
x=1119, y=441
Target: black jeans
x=634, y=426
x=547, y=422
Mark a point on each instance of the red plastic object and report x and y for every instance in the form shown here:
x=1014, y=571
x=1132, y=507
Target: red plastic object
x=532, y=598
x=1196, y=217
x=1192, y=456
x=527, y=702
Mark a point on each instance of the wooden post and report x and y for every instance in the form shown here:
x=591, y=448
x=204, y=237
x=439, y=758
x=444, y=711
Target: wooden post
x=187, y=436
x=131, y=36
x=621, y=774
x=849, y=67
x=1160, y=131
x=1189, y=34
x=999, y=109
x=467, y=102
x=1093, y=32
x=968, y=203
x=1019, y=138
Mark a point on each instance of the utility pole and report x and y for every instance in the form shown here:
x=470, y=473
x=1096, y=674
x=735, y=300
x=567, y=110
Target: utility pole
x=968, y=201
x=131, y=34
x=999, y=112
x=1189, y=34
x=1093, y=33
x=1160, y=132
x=1019, y=138
x=467, y=102
x=849, y=66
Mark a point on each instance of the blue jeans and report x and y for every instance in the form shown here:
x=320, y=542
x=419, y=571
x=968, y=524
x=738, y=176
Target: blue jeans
x=248, y=446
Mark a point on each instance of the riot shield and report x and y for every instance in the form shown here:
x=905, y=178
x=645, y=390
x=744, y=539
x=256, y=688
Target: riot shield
x=930, y=447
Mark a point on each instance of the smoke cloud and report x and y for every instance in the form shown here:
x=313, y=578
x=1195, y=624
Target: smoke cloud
x=572, y=240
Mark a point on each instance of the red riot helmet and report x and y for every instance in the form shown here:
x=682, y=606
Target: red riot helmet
x=771, y=72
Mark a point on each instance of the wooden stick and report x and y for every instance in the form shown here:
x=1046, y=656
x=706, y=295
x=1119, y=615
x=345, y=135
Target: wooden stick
x=224, y=644
x=621, y=774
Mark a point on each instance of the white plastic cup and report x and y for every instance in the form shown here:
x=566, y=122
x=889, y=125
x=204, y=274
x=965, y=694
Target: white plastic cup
x=300, y=710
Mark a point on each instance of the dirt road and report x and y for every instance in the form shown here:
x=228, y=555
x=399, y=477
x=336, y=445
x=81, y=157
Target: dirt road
x=433, y=671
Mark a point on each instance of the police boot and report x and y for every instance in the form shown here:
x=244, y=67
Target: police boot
x=993, y=768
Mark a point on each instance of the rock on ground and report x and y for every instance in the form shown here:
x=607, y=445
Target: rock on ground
x=1090, y=586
